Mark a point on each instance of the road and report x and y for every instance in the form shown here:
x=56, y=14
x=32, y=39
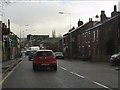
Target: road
x=70, y=74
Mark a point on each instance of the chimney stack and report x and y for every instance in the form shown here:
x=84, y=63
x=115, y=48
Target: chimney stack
x=114, y=12
x=90, y=19
x=9, y=23
x=80, y=23
x=103, y=16
x=115, y=8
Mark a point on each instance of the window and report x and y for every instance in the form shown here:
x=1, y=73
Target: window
x=44, y=53
x=93, y=36
x=97, y=34
x=89, y=37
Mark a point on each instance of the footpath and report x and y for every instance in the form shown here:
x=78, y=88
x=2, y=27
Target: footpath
x=8, y=65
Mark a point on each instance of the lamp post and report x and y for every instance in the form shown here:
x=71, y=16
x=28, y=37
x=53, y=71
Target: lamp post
x=69, y=32
x=21, y=30
x=23, y=33
x=68, y=14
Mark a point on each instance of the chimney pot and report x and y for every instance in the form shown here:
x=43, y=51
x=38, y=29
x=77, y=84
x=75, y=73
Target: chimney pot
x=102, y=12
x=115, y=8
x=90, y=19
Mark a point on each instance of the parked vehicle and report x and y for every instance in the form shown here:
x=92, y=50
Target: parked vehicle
x=59, y=55
x=44, y=59
x=115, y=59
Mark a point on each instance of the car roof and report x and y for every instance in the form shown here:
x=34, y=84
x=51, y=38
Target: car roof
x=58, y=52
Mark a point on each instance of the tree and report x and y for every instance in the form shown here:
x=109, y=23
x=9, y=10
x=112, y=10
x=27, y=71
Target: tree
x=60, y=36
x=53, y=34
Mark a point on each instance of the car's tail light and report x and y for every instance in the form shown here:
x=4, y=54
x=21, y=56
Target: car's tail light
x=53, y=60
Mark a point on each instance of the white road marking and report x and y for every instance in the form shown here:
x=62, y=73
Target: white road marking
x=87, y=79
x=5, y=77
x=77, y=75
x=8, y=74
x=102, y=85
x=91, y=81
x=63, y=68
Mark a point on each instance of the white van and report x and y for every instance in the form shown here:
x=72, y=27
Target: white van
x=34, y=48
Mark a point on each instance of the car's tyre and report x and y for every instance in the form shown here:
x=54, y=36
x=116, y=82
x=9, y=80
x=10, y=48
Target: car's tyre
x=34, y=68
x=55, y=68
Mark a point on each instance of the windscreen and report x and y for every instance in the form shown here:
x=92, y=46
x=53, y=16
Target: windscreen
x=59, y=53
x=33, y=53
x=44, y=53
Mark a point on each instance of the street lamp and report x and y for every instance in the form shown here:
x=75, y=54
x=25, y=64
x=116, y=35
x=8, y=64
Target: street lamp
x=23, y=33
x=69, y=32
x=68, y=14
x=21, y=29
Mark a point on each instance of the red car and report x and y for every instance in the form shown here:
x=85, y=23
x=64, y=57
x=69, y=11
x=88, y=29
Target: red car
x=44, y=59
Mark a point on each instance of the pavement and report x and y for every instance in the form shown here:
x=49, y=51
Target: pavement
x=8, y=65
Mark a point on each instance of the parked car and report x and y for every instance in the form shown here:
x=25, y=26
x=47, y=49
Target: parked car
x=59, y=55
x=115, y=59
x=44, y=59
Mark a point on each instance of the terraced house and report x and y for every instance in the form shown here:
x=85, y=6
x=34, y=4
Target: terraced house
x=94, y=40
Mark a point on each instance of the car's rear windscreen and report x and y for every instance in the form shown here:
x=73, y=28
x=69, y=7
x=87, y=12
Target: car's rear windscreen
x=44, y=53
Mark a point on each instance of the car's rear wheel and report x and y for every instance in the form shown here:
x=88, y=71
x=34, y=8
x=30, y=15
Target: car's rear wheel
x=29, y=59
x=34, y=68
x=55, y=68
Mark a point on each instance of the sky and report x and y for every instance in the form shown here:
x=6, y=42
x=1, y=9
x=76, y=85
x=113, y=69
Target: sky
x=38, y=17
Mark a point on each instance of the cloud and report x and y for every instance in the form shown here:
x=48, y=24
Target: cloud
x=43, y=16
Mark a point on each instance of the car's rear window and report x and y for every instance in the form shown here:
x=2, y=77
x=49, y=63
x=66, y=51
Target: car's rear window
x=44, y=53
x=58, y=53
x=33, y=53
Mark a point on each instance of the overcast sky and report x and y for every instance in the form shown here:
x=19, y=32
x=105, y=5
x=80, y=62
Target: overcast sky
x=41, y=17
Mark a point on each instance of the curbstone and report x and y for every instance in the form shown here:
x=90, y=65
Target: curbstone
x=10, y=66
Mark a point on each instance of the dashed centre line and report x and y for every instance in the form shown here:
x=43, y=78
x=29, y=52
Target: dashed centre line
x=87, y=79
x=77, y=75
x=102, y=85
x=63, y=68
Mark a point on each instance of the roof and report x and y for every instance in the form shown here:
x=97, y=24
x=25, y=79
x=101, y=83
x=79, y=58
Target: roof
x=51, y=40
x=100, y=23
